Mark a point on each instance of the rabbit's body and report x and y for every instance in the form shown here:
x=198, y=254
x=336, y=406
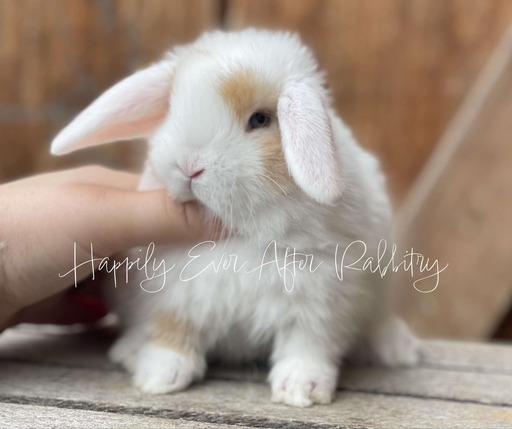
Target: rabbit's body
x=251, y=136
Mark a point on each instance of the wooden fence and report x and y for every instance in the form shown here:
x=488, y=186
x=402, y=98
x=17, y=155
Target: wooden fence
x=399, y=70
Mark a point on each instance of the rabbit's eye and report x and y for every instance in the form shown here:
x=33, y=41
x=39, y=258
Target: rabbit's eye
x=258, y=120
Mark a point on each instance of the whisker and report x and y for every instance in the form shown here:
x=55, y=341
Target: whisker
x=251, y=209
x=278, y=185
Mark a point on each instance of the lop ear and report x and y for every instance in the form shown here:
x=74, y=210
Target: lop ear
x=308, y=143
x=132, y=108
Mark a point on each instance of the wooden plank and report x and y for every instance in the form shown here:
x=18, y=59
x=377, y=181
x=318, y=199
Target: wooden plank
x=452, y=371
x=459, y=355
x=58, y=55
x=50, y=346
x=31, y=416
x=431, y=383
x=459, y=210
x=398, y=68
x=235, y=403
x=30, y=343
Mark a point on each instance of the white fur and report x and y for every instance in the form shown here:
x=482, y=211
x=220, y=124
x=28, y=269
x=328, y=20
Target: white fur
x=162, y=370
x=308, y=330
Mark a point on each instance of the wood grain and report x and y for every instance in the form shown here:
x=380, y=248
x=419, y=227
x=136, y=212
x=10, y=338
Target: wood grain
x=69, y=377
x=460, y=212
x=398, y=68
x=238, y=403
x=58, y=55
x=37, y=416
x=486, y=370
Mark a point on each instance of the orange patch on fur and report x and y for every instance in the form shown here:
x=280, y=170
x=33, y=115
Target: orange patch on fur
x=243, y=92
x=168, y=331
x=274, y=162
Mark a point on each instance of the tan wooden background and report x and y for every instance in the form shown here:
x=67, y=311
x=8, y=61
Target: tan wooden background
x=399, y=69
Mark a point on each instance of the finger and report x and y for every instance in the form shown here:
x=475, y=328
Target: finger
x=137, y=218
x=93, y=175
x=96, y=175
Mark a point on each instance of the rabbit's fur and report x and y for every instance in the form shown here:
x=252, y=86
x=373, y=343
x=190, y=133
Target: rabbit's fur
x=300, y=182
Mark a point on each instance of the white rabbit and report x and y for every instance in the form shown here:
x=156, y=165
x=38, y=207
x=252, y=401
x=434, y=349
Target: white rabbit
x=242, y=123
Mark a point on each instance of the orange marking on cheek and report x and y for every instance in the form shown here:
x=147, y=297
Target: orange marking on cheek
x=274, y=162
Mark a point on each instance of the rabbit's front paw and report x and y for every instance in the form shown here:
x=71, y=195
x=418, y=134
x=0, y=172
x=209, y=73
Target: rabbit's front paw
x=162, y=370
x=302, y=383
x=124, y=351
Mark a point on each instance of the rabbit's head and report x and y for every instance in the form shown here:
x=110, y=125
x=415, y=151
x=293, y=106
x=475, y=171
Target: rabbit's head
x=238, y=121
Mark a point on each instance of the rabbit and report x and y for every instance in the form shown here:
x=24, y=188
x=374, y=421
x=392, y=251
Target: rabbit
x=242, y=123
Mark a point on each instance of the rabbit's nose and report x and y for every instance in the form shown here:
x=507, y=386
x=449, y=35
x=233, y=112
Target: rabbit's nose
x=196, y=173
x=190, y=170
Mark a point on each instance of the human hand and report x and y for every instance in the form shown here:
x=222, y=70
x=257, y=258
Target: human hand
x=43, y=216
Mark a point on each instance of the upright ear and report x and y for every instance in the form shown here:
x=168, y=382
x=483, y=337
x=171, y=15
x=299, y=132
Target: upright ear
x=308, y=143
x=132, y=108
